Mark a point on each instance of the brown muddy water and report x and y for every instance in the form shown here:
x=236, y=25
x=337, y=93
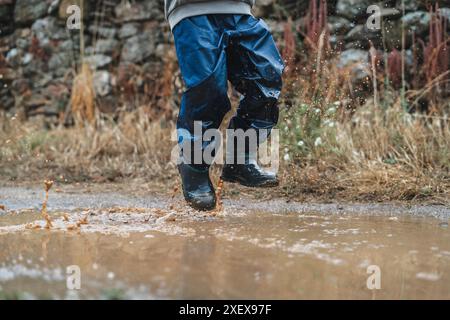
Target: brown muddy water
x=134, y=246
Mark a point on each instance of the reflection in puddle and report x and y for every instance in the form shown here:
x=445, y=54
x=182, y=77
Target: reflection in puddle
x=151, y=253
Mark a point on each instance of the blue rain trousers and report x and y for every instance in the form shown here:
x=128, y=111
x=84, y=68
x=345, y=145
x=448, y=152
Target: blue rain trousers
x=213, y=49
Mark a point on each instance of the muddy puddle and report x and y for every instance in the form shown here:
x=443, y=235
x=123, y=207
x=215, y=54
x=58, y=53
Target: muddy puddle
x=132, y=247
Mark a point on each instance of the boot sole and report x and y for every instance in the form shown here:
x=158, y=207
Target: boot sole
x=267, y=184
x=194, y=206
x=198, y=207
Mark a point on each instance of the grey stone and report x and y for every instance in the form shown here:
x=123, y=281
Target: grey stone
x=410, y=5
x=360, y=32
x=27, y=58
x=416, y=22
x=27, y=11
x=43, y=80
x=60, y=60
x=336, y=42
x=445, y=12
x=47, y=29
x=54, y=5
x=14, y=56
x=138, y=48
x=359, y=37
x=357, y=61
x=339, y=25
x=22, y=33
x=23, y=44
x=68, y=46
x=161, y=50
x=35, y=67
x=106, y=45
x=128, y=30
x=102, y=83
x=103, y=32
x=352, y=9
x=138, y=11
x=98, y=60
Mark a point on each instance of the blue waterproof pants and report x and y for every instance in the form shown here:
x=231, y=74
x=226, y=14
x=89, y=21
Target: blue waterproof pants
x=213, y=49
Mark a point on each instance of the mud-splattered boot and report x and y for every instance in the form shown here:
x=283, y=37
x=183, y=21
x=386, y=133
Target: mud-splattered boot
x=197, y=187
x=249, y=174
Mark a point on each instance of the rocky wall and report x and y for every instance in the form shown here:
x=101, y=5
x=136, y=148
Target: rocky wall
x=129, y=46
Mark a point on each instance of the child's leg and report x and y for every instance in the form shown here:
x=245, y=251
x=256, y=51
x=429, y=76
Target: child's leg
x=200, y=45
x=255, y=69
x=201, y=54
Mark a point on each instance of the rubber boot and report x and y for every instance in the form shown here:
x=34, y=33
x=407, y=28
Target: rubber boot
x=249, y=174
x=197, y=187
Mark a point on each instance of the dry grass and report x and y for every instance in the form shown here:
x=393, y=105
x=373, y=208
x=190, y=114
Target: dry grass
x=132, y=147
x=340, y=145
x=334, y=145
x=82, y=99
x=376, y=156
x=339, y=150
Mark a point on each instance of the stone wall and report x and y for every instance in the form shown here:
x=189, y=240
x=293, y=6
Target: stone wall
x=129, y=46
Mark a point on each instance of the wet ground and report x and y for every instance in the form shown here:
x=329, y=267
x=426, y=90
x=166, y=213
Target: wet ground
x=141, y=246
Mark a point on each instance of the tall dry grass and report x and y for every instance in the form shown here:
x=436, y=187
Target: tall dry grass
x=336, y=145
x=377, y=155
x=82, y=98
x=135, y=146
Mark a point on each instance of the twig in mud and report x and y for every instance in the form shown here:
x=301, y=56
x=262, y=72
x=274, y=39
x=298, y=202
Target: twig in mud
x=84, y=220
x=32, y=226
x=175, y=191
x=48, y=185
x=72, y=227
x=125, y=210
x=159, y=212
x=219, y=197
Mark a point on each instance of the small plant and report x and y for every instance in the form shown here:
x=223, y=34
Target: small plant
x=316, y=24
x=14, y=295
x=394, y=69
x=289, y=48
x=113, y=294
x=436, y=51
x=431, y=66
